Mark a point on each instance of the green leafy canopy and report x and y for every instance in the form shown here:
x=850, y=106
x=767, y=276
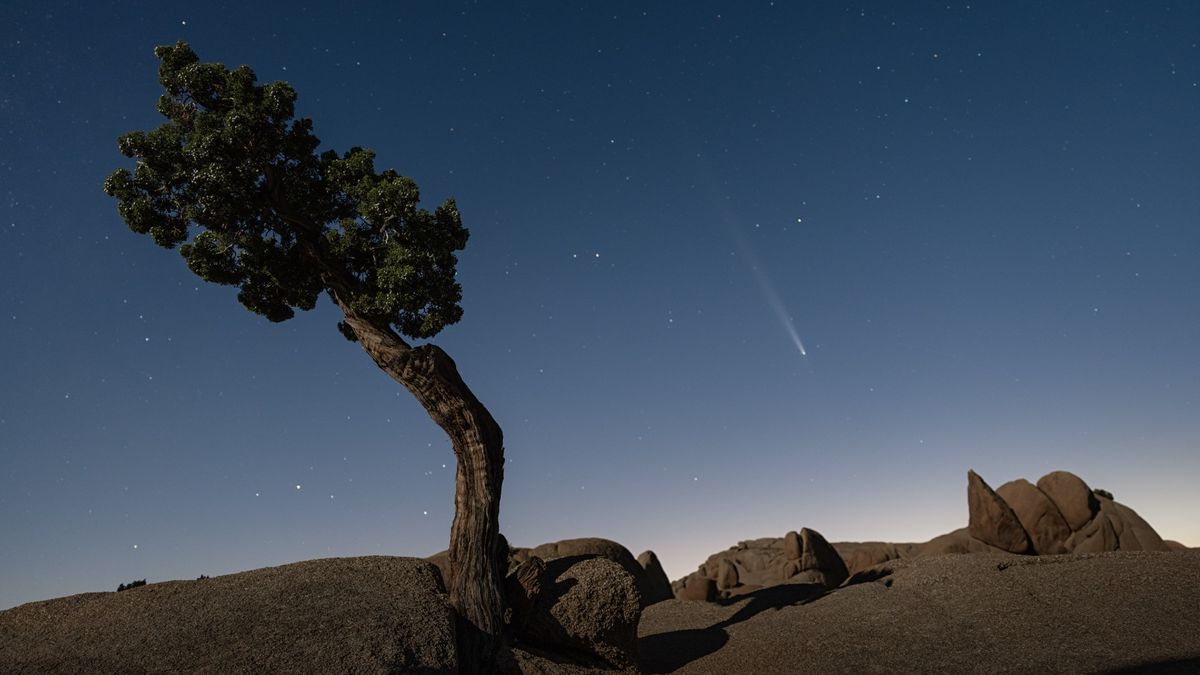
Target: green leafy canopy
x=235, y=181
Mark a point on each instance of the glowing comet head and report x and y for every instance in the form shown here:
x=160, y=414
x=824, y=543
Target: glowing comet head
x=786, y=321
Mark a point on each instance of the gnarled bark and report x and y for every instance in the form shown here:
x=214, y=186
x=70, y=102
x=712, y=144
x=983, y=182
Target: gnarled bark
x=476, y=571
x=478, y=558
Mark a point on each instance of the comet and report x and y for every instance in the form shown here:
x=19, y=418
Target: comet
x=769, y=293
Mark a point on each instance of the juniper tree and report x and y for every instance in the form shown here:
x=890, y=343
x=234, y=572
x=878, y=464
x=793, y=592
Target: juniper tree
x=234, y=181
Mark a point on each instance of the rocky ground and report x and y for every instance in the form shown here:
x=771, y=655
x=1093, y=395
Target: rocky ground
x=1046, y=578
x=338, y=615
x=1084, y=613
x=1116, y=612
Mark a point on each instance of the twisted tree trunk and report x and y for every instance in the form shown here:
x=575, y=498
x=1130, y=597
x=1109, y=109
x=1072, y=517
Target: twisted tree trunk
x=478, y=560
x=476, y=572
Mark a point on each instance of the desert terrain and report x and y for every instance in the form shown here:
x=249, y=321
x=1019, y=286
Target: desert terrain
x=1111, y=597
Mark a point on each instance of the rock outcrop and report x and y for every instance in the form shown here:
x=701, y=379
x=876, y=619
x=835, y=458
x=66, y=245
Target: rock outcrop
x=588, y=608
x=697, y=588
x=522, y=590
x=792, y=546
x=803, y=557
x=578, y=601
x=1115, y=527
x=991, y=520
x=652, y=582
x=370, y=614
x=1072, y=497
x=727, y=575
x=1060, y=514
x=861, y=555
x=648, y=591
x=657, y=586
x=1039, y=516
x=816, y=563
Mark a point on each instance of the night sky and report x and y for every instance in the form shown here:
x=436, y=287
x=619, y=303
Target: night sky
x=979, y=222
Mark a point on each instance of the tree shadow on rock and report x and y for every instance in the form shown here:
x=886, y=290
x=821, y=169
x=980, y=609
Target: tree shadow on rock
x=772, y=597
x=553, y=589
x=557, y=566
x=517, y=659
x=667, y=652
x=876, y=573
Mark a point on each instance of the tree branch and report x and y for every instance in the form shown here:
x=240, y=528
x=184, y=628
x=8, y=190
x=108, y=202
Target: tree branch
x=342, y=285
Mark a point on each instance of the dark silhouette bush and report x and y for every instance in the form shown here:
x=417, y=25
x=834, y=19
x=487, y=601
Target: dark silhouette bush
x=132, y=584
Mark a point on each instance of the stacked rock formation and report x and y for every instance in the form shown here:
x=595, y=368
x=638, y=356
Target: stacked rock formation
x=1037, y=515
x=802, y=557
x=1060, y=514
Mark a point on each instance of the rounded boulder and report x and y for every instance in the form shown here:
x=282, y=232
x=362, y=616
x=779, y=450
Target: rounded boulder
x=1072, y=497
x=587, y=608
x=1041, y=519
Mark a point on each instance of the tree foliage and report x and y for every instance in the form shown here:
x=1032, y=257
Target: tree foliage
x=235, y=181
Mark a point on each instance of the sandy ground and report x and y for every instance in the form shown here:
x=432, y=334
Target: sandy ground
x=1091, y=613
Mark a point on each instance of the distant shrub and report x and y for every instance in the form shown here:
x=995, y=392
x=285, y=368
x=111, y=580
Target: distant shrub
x=132, y=584
x=201, y=577
x=1103, y=493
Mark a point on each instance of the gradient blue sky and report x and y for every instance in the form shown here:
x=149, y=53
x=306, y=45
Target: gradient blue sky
x=981, y=219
